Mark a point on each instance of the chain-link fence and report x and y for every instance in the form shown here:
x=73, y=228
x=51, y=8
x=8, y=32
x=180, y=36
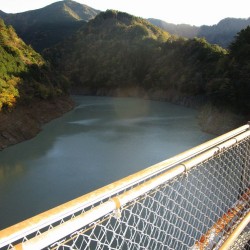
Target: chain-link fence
x=194, y=210
x=195, y=204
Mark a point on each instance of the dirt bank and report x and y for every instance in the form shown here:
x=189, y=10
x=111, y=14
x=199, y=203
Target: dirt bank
x=24, y=122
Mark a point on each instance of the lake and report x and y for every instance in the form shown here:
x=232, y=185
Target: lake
x=102, y=140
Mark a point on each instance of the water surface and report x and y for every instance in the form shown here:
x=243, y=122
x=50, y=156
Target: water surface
x=102, y=140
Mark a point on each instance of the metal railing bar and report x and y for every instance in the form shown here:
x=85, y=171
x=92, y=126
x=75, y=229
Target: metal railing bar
x=235, y=234
x=47, y=238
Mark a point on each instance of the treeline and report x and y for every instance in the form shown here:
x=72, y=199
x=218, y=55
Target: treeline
x=24, y=74
x=117, y=50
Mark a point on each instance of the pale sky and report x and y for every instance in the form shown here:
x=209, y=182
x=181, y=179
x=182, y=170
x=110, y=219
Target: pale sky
x=194, y=12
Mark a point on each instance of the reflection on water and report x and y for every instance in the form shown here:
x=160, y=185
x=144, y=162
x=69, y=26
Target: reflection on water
x=101, y=140
x=7, y=172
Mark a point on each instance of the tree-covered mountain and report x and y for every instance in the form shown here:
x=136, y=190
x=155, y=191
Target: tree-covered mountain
x=24, y=74
x=114, y=49
x=31, y=91
x=116, y=53
x=47, y=26
x=222, y=33
x=119, y=51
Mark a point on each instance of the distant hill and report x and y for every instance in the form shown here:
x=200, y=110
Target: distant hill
x=47, y=26
x=184, y=30
x=2, y=14
x=222, y=33
x=24, y=74
x=58, y=12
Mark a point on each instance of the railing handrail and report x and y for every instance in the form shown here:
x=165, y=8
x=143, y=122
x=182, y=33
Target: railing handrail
x=236, y=232
x=44, y=219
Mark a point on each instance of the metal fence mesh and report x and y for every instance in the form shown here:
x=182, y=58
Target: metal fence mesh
x=196, y=210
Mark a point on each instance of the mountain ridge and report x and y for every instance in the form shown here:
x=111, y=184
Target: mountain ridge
x=49, y=25
x=224, y=31
x=75, y=10
x=221, y=33
x=185, y=30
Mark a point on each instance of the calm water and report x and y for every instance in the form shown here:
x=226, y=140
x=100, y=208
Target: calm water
x=102, y=140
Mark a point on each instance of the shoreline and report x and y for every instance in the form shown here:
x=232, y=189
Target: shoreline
x=25, y=122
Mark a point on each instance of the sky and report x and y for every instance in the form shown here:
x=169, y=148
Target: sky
x=194, y=12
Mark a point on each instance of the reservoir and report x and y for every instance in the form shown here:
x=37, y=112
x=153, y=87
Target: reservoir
x=102, y=140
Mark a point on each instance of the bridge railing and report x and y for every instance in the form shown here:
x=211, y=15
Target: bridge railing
x=191, y=201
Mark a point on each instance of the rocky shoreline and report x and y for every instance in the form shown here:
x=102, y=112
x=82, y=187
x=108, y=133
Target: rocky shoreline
x=25, y=122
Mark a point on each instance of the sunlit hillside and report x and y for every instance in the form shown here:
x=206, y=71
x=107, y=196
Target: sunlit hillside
x=24, y=74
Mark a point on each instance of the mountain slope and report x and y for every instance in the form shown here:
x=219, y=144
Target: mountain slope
x=47, y=26
x=112, y=50
x=24, y=74
x=31, y=92
x=117, y=51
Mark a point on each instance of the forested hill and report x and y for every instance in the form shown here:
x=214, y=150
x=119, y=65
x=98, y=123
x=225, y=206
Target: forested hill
x=24, y=75
x=116, y=52
x=222, y=33
x=31, y=91
x=47, y=26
